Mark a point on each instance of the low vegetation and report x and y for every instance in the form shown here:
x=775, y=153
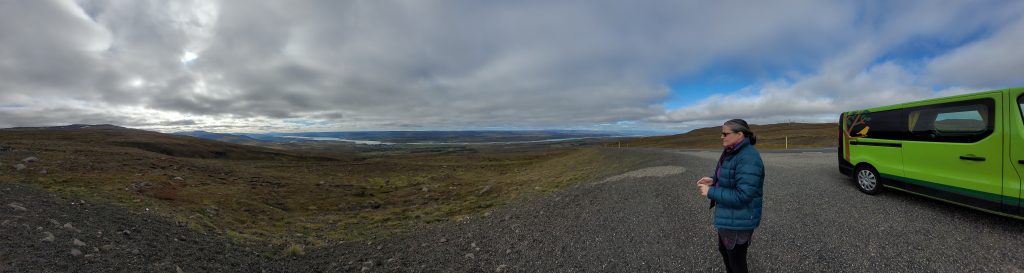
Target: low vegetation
x=308, y=195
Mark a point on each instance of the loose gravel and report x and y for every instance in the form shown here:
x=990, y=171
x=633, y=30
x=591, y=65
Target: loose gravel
x=652, y=219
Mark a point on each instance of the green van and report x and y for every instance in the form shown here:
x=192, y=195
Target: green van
x=967, y=149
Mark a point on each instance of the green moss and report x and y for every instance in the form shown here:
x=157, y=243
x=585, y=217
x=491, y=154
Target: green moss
x=294, y=250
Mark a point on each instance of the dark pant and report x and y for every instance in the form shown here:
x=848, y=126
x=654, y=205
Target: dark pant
x=736, y=258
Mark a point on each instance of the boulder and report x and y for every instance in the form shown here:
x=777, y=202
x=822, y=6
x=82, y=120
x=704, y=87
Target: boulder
x=30, y=159
x=48, y=237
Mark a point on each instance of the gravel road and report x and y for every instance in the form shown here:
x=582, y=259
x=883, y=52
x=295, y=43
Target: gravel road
x=650, y=219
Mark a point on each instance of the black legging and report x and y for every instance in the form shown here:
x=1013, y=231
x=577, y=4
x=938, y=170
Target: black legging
x=735, y=259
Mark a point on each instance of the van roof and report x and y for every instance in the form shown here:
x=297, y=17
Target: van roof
x=892, y=106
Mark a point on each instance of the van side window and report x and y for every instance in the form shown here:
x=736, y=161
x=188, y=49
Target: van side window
x=964, y=121
x=887, y=124
x=1020, y=106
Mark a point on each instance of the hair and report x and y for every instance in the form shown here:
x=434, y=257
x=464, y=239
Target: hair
x=739, y=125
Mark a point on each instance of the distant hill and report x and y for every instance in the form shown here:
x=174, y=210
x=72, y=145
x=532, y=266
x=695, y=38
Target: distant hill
x=405, y=137
x=238, y=139
x=770, y=136
x=114, y=137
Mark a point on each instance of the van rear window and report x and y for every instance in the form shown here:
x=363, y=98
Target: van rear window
x=887, y=124
x=966, y=121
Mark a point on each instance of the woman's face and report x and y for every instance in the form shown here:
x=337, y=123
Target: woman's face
x=729, y=137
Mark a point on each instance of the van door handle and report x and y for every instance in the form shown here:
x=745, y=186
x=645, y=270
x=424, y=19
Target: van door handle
x=972, y=158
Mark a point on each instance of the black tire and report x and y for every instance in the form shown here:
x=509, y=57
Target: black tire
x=867, y=179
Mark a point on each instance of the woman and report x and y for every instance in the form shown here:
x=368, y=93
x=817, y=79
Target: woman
x=736, y=189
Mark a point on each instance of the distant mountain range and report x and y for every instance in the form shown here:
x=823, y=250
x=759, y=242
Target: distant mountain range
x=769, y=136
x=419, y=137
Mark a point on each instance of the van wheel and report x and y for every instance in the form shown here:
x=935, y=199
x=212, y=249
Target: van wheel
x=868, y=180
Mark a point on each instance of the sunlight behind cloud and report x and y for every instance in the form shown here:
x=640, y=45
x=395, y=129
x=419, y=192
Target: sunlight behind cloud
x=188, y=57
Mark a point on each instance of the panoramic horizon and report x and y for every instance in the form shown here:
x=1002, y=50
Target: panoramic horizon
x=669, y=66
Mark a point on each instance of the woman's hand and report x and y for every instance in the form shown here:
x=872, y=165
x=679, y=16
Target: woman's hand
x=705, y=181
x=704, y=189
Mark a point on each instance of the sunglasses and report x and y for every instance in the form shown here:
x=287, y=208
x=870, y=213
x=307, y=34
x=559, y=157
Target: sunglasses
x=724, y=134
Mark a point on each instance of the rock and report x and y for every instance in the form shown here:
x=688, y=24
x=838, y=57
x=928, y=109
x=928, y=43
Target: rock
x=470, y=256
x=43, y=171
x=48, y=237
x=30, y=159
x=364, y=269
x=107, y=248
x=4, y=223
x=179, y=178
x=68, y=226
x=473, y=245
x=141, y=185
x=75, y=252
x=501, y=268
x=95, y=249
x=178, y=269
x=19, y=167
x=17, y=207
x=425, y=189
x=485, y=190
x=54, y=222
x=77, y=242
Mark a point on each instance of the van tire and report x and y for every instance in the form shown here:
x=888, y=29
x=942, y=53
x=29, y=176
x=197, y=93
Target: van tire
x=867, y=179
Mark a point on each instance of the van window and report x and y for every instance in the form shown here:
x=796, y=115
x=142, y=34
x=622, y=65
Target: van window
x=966, y=121
x=887, y=124
x=960, y=122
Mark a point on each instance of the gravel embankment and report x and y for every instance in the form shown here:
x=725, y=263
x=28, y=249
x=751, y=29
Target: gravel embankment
x=44, y=232
x=651, y=219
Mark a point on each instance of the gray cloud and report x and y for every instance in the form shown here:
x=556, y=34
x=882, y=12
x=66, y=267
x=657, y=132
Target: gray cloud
x=473, y=64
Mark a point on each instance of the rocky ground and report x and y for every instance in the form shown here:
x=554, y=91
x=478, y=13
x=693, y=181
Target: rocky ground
x=44, y=232
x=649, y=219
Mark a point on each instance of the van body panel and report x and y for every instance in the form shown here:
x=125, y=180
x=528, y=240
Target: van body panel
x=863, y=146
x=1013, y=170
x=941, y=165
x=884, y=155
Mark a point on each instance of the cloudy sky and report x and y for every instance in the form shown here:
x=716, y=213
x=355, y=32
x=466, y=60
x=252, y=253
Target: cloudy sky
x=258, y=66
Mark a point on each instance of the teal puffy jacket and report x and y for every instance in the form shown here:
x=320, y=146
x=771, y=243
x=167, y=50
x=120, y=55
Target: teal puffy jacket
x=739, y=189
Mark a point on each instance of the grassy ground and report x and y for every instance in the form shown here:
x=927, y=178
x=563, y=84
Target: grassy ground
x=308, y=196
